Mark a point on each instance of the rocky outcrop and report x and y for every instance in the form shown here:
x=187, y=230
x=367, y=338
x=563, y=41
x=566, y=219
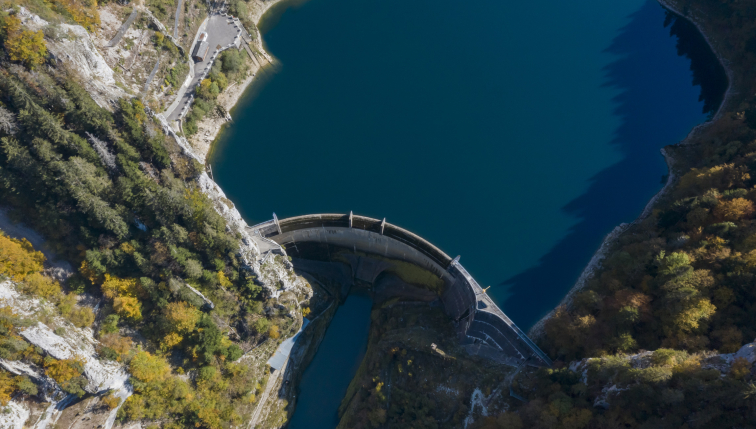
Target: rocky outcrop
x=75, y=343
x=72, y=45
x=79, y=344
x=14, y=416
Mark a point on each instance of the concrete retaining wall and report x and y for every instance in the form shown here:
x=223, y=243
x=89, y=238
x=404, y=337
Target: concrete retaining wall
x=478, y=319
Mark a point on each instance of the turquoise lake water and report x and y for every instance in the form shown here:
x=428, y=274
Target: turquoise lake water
x=514, y=134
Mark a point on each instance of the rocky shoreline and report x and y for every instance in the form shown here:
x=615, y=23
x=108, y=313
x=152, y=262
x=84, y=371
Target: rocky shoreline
x=611, y=239
x=210, y=127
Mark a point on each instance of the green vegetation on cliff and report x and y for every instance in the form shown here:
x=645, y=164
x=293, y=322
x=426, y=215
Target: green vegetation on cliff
x=651, y=336
x=117, y=197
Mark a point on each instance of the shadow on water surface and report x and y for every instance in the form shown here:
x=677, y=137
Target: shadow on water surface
x=651, y=117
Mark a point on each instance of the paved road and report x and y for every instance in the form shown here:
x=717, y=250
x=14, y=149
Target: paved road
x=221, y=31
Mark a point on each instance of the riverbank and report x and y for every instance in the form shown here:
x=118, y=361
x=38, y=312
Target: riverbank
x=210, y=127
x=673, y=165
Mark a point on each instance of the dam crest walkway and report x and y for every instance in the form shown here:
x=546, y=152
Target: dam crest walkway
x=483, y=329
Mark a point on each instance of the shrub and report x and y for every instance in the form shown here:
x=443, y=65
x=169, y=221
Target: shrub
x=190, y=127
x=63, y=370
x=75, y=386
x=40, y=285
x=108, y=353
x=18, y=258
x=146, y=367
x=740, y=368
x=232, y=61
x=22, y=45
x=82, y=317
x=206, y=373
x=120, y=345
x=111, y=401
x=273, y=332
x=261, y=325
x=27, y=386
x=234, y=352
x=7, y=387
x=110, y=324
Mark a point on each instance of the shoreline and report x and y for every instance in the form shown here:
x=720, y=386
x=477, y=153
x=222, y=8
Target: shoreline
x=610, y=239
x=209, y=128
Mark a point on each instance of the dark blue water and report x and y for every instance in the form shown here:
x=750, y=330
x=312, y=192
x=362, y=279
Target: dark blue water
x=516, y=134
x=342, y=348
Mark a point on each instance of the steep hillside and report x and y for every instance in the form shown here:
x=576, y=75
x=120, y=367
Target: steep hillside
x=169, y=291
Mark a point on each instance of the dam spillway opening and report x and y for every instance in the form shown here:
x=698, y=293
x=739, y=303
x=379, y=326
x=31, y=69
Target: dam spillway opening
x=338, y=251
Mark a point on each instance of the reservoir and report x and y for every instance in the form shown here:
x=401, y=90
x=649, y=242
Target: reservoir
x=514, y=134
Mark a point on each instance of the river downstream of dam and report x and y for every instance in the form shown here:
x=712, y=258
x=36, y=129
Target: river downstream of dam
x=514, y=134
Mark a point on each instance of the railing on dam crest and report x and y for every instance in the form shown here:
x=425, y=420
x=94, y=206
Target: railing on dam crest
x=482, y=327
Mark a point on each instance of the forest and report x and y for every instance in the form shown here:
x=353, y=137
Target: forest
x=115, y=196
x=650, y=341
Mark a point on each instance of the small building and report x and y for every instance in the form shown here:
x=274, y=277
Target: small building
x=200, y=51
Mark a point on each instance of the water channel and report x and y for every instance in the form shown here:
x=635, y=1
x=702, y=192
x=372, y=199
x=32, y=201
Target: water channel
x=515, y=134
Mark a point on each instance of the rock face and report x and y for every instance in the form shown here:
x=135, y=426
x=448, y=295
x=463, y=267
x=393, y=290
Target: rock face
x=14, y=416
x=77, y=343
x=75, y=50
x=102, y=375
x=78, y=53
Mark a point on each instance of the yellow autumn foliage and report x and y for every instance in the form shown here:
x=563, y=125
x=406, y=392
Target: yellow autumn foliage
x=64, y=369
x=39, y=285
x=7, y=387
x=171, y=340
x=114, y=287
x=18, y=258
x=722, y=176
x=84, y=12
x=22, y=45
x=223, y=280
x=89, y=273
x=128, y=306
x=147, y=368
x=273, y=332
x=182, y=317
x=111, y=401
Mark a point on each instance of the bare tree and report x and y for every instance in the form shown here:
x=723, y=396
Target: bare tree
x=7, y=121
x=107, y=157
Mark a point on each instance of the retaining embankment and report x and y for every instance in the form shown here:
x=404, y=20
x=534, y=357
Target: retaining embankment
x=479, y=321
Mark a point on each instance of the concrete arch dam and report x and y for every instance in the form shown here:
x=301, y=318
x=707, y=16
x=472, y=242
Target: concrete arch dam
x=348, y=248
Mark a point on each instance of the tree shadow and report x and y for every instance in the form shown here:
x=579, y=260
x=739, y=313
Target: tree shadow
x=655, y=103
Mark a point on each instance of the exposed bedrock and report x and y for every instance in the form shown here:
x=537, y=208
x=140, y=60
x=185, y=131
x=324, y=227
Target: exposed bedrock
x=342, y=250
